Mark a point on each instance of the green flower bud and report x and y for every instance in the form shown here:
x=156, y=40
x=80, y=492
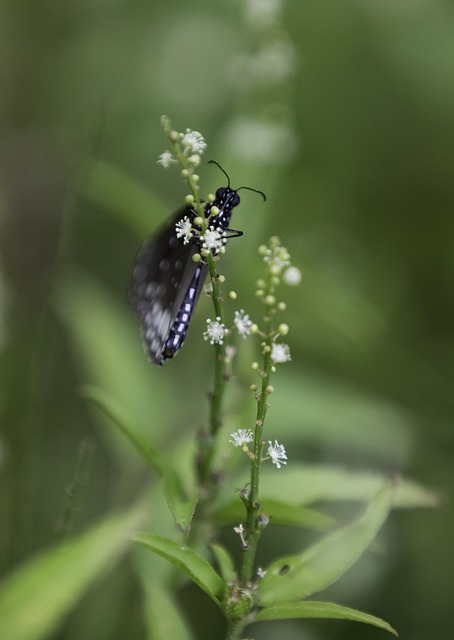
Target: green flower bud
x=283, y=329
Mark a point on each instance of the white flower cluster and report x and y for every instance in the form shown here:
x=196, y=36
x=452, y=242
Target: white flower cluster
x=165, y=159
x=184, y=229
x=241, y=437
x=242, y=323
x=193, y=144
x=214, y=240
x=215, y=331
x=276, y=452
x=280, y=353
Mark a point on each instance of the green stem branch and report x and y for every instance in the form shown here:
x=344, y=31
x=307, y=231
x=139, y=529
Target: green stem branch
x=217, y=394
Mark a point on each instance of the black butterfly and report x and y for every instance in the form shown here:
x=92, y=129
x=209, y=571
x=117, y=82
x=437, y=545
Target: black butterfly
x=166, y=282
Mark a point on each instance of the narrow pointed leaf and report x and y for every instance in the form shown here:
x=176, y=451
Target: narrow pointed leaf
x=182, y=509
x=306, y=484
x=295, y=577
x=196, y=567
x=36, y=597
x=103, y=337
x=281, y=512
x=113, y=411
x=225, y=562
x=313, y=609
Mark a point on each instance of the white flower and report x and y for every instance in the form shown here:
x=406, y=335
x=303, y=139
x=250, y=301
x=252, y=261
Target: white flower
x=241, y=437
x=193, y=142
x=261, y=573
x=166, y=159
x=280, y=353
x=292, y=276
x=277, y=453
x=184, y=229
x=242, y=323
x=215, y=331
x=214, y=240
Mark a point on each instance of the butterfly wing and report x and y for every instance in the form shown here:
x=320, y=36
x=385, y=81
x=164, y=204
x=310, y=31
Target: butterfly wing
x=161, y=277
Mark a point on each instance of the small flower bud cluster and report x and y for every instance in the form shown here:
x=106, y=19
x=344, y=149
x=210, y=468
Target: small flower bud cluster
x=275, y=256
x=189, y=145
x=187, y=150
x=277, y=260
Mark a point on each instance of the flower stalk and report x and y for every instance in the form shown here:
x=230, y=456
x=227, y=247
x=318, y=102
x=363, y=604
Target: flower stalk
x=186, y=151
x=253, y=505
x=210, y=240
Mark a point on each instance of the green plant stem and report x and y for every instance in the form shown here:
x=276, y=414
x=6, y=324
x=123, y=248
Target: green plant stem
x=253, y=505
x=253, y=528
x=234, y=629
x=207, y=441
x=217, y=394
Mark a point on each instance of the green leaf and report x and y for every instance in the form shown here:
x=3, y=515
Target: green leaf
x=104, y=339
x=36, y=597
x=313, y=609
x=225, y=562
x=295, y=577
x=281, y=512
x=196, y=567
x=306, y=484
x=163, y=617
x=181, y=508
x=113, y=411
x=351, y=418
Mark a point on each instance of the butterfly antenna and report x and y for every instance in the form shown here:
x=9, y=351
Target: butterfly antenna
x=223, y=171
x=256, y=191
x=228, y=180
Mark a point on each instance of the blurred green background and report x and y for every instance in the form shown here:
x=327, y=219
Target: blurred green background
x=342, y=112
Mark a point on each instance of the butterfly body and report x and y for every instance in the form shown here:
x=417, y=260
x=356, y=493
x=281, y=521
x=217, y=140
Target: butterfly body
x=167, y=282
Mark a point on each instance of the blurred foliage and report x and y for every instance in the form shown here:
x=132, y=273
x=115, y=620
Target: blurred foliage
x=361, y=193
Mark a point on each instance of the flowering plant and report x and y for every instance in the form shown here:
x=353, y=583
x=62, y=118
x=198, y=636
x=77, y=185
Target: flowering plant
x=245, y=591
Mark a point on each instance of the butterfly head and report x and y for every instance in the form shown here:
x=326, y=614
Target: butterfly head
x=226, y=200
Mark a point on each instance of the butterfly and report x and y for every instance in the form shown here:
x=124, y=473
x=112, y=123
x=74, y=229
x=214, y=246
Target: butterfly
x=166, y=282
